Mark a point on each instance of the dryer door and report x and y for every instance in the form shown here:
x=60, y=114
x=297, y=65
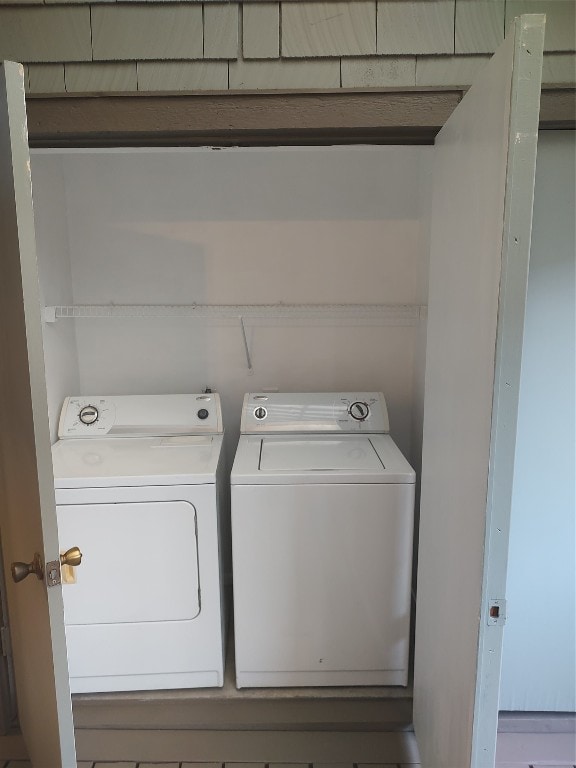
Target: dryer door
x=140, y=562
x=130, y=609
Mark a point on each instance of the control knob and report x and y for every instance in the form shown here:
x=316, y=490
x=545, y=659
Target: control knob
x=359, y=411
x=202, y=413
x=260, y=412
x=88, y=415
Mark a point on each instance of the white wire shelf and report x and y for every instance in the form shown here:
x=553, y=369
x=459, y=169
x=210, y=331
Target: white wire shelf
x=389, y=314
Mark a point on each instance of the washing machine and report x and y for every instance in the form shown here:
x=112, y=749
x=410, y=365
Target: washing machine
x=322, y=523
x=139, y=488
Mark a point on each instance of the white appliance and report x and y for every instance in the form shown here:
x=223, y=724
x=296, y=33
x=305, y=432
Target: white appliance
x=139, y=481
x=322, y=523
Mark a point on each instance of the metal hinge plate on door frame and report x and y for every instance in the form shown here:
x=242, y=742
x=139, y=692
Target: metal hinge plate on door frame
x=53, y=576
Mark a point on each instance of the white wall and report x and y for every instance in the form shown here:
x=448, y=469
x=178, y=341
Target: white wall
x=298, y=225
x=538, y=668
x=60, y=354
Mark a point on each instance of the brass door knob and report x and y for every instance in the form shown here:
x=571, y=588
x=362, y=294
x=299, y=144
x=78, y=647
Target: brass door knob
x=21, y=570
x=71, y=557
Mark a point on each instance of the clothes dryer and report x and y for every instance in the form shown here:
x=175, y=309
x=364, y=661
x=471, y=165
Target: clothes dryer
x=322, y=524
x=139, y=486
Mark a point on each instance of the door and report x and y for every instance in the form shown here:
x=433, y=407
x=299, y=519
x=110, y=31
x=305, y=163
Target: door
x=485, y=160
x=28, y=512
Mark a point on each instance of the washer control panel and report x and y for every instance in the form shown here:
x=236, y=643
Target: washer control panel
x=359, y=410
x=88, y=414
x=140, y=415
x=350, y=412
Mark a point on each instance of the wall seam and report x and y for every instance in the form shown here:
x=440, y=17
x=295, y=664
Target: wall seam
x=203, y=31
x=376, y=28
x=279, y=31
x=91, y=34
x=454, y=31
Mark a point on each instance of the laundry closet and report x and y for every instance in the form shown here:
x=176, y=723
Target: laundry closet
x=307, y=269
x=239, y=269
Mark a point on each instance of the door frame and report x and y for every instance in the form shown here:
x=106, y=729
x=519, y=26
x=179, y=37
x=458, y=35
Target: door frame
x=520, y=179
x=259, y=118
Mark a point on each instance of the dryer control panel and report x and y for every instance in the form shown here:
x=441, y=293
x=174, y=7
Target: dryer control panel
x=140, y=415
x=349, y=412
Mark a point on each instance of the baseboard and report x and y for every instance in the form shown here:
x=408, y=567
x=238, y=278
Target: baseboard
x=245, y=746
x=188, y=713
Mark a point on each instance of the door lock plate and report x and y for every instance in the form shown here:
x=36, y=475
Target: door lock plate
x=53, y=577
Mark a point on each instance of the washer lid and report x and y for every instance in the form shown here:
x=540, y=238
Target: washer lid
x=316, y=454
x=109, y=462
x=301, y=459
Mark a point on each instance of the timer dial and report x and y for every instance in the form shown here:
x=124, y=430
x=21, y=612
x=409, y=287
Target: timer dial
x=260, y=412
x=359, y=411
x=203, y=413
x=88, y=415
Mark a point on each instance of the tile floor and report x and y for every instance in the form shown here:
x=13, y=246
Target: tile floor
x=24, y=764
x=515, y=750
x=507, y=764
x=530, y=764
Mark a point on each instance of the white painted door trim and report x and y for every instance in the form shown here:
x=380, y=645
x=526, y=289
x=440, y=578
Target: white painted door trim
x=518, y=205
x=28, y=511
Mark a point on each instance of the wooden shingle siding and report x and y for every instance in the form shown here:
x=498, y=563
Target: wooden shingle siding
x=90, y=78
x=311, y=29
x=221, y=31
x=479, y=25
x=373, y=72
x=560, y=32
x=140, y=31
x=261, y=30
x=43, y=34
x=444, y=71
x=46, y=78
x=183, y=76
x=415, y=26
x=559, y=68
x=282, y=74
x=295, y=45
